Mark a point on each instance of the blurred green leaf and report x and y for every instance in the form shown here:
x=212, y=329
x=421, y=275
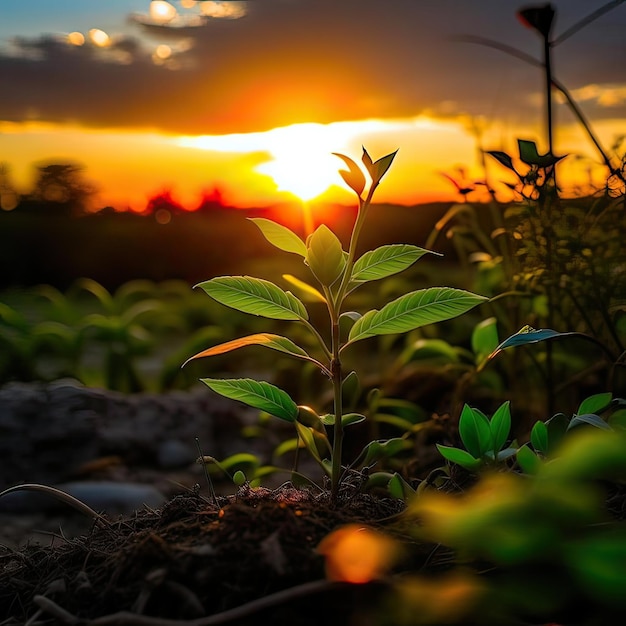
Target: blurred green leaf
x=280, y=236
x=539, y=437
x=595, y=404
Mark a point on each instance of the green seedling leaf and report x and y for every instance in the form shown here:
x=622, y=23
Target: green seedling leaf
x=286, y=446
x=475, y=432
x=316, y=443
x=526, y=335
x=460, y=457
x=398, y=488
x=308, y=292
x=557, y=426
x=353, y=177
x=528, y=460
x=539, y=437
x=308, y=417
x=505, y=454
x=529, y=155
x=257, y=394
x=255, y=296
x=280, y=236
x=379, y=449
x=413, y=310
x=618, y=420
x=346, y=419
x=431, y=351
x=589, y=418
x=241, y=461
x=595, y=404
x=484, y=339
x=500, y=426
x=386, y=261
x=325, y=256
x=267, y=340
x=503, y=158
x=378, y=168
x=239, y=478
x=350, y=390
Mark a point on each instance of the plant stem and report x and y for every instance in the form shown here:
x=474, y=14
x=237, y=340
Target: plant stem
x=335, y=368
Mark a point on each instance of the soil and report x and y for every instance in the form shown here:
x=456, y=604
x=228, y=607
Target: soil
x=249, y=558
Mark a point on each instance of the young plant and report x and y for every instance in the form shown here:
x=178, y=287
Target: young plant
x=483, y=438
x=337, y=273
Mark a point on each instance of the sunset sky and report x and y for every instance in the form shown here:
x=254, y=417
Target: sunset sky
x=254, y=96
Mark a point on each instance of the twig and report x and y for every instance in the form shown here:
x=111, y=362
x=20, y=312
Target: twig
x=52, y=608
x=124, y=618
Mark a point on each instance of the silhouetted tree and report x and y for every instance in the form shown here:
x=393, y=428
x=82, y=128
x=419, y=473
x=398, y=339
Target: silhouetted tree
x=164, y=201
x=9, y=198
x=211, y=200
x=61, y=189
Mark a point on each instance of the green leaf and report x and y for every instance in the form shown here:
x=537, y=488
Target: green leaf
x=528, y=334
x=386, y=261
x=528, y=460
x=316, y=443
x=325, y=255
x=267, y=340
x=255, y=296
x=591, y=419
x=475, y=432
x=308, y=292
x=503, y=158
x=346, y=419
x=353, y=177
x=539, y=437
x=415, y=309
x=380, y=449
x=528, y=154
x=595, y=404
x=257, y=394
x=500, y=426
x=350, y=390
x=507, y=453
x=280, y=236
x=398, y=488
x=242, y=461
x=484, y=339
x=460, y=457
x=378, y=168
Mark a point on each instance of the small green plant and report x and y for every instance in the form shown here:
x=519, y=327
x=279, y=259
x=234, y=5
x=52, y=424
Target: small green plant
x=338, y=273
x=484, y=438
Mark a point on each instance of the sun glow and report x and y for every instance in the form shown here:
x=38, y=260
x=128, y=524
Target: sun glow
x=300, y=160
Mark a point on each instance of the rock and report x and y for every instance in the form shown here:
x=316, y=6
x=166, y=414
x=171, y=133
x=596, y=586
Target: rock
x=173, y=454
x=48, y=432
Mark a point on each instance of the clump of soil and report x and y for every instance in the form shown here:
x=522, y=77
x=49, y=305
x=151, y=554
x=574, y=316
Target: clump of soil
x=242, y=559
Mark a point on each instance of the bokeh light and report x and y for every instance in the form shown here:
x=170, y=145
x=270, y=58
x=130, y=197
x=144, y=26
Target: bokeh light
x=99, y=38
x=162, y=12
x=76, y=39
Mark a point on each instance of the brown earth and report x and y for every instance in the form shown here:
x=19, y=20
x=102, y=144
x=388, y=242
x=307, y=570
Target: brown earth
x=250, y=558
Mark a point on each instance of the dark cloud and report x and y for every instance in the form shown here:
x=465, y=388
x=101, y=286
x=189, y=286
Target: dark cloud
x=313, y=60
